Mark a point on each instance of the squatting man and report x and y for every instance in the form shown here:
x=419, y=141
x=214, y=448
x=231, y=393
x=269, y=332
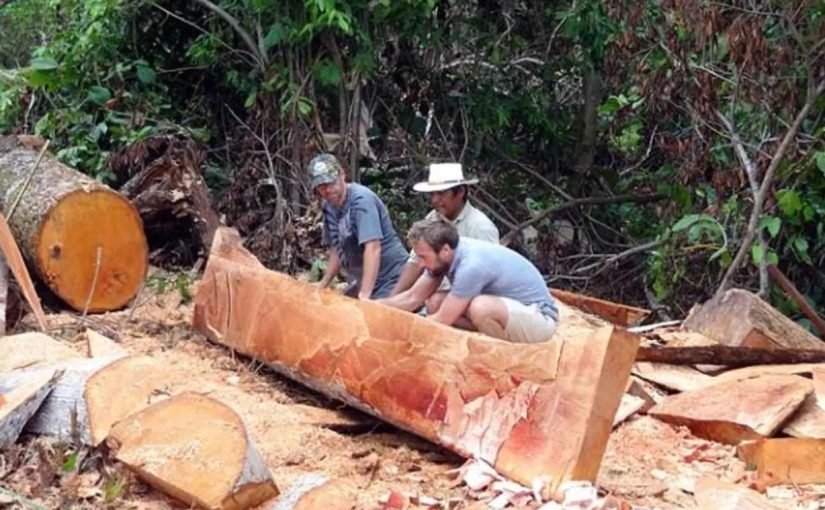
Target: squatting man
x=494, y=290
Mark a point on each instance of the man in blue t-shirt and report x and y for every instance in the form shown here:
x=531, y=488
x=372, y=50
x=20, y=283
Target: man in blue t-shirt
x=358, y=231
x=494, y=290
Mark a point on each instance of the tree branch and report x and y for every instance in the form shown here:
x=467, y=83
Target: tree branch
x=759, y=200
x=235, y=24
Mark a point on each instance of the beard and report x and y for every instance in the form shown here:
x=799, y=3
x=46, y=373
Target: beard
x=440, y=270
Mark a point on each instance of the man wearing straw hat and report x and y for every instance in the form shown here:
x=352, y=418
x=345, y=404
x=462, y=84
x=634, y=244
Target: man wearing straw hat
x=448, y=189
x=359, y=232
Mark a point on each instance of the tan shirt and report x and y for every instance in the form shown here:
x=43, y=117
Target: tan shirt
x=470, y=222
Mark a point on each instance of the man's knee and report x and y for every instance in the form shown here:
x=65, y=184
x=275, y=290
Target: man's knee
x=485, y=308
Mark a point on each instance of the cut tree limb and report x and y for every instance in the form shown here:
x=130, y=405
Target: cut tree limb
x=735, y=411
x=197, y=450
x=740, y=318
x=793, y=293
x=540, y=413
x=63, y=219
x=91, y=395
x=728, y=356
x=20, y=402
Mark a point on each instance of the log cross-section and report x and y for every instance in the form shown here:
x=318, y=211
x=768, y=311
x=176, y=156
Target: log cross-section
x=540, y=413
x=82, y=239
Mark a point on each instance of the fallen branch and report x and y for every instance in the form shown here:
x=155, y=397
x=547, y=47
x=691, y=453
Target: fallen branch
x=576, y=202
x=615, y=258
x=728, y=356
x=759, y=199
x=797, y=298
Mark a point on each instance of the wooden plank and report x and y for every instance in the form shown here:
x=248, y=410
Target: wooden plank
x=14, y=260
x=763, y=370
x=540, y=413
x=718, y=495
x=731, y=412
x=27, y=350
x=809, y=420
x=18, y=403
x=740, y=318
x=99, y=346
x=628, y=406
x=195, y=449
x=785, y=460
x=615, y=313
x=673, y=377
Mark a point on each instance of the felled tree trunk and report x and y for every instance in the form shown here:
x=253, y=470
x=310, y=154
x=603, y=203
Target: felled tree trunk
x=162, y=177
x=197, y=450
x=540, y=413
x=82, y=239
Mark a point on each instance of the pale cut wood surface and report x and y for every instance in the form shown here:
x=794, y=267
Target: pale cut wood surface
x=540, y=413
x=19, y=403
x=99, y=346
x=785, y=460
x=29, y=350
x=734, y=411
x=740, y=318
x=718, y=495
x=195, y=449
x=673, y=377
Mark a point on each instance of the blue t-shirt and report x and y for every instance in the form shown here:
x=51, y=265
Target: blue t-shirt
x=362, y=218
x=480, y=267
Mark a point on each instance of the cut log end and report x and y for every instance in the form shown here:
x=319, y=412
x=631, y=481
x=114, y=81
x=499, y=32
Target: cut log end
x=69, y=247
x=195, y=449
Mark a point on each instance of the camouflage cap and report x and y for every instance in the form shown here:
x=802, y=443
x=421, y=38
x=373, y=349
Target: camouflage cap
x=323, y=169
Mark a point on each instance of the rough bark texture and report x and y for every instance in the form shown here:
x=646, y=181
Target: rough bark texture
x=785, y=460
x=13, y=259
x=18, y=403
x=740, y=318
x=539, y=413
x=197, y=450
x=63, y=220
x=615, y=313
x=731, y=412
x=91, y=395
x=728, y=356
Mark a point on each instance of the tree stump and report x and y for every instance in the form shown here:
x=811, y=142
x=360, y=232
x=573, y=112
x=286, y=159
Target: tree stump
x=82, y=239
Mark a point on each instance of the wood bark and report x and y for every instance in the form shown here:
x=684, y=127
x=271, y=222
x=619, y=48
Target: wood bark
x=729, y=356
x=735, y=411
x=82, y=239
x=540, y=413
x=19, y=402
x=739, y=318
x=91, y=395
x=615, y=313
x=197, y=450
x=14, y=261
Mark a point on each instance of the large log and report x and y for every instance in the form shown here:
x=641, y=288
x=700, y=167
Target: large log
x=91, y=395
x=740, y=318
x=82, y=239
x=735, y=411
x=540, y=413
x=197, y=450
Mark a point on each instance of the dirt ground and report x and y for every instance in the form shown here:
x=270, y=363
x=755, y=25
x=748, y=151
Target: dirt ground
x=298, y=432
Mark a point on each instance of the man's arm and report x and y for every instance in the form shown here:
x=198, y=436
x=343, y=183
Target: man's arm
x=412, y=298
x=333, y=266
x=451, y=309
x=409, y=275
x=372, y=260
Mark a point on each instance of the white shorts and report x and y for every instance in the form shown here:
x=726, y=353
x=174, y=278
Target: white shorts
x=526, y=324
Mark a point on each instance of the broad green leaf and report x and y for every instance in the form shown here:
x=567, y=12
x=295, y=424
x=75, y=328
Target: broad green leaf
x=44, y=63
x=328, y=73
x=274, y=36
x=70, y=462
x=685, y=222
x=773, y=258
x=718, y=253
x=800, y=246
x=820, y=161
x=99, y=95
x=771, y=223
x=789, y=201
x=145, y=74
x=757, y=252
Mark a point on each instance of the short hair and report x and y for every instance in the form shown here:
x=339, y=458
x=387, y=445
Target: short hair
x=434, y=231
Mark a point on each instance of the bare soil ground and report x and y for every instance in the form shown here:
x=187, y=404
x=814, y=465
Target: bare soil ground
x=298, y=431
